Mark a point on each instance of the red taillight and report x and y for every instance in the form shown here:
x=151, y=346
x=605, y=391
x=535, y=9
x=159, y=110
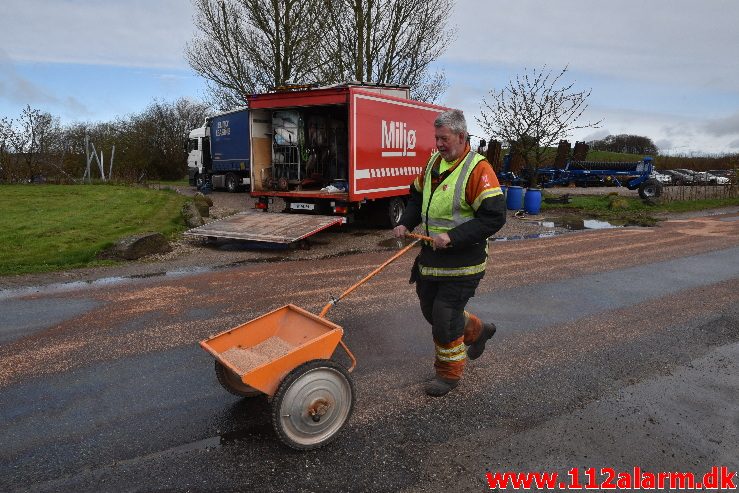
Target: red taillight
x=341, y=209
x=260, y=205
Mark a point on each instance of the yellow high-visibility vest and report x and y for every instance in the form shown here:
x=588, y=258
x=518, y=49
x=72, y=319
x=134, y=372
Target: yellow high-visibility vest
x=447, y=208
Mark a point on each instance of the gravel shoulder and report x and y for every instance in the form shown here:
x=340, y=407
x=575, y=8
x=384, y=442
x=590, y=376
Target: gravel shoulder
x=195, y=254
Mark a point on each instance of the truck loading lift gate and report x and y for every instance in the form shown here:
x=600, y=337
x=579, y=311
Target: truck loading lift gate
x=267, y=227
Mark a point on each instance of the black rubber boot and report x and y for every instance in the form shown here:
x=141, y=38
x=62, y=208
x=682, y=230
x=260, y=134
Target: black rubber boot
x=476, y=348
x=438, y=386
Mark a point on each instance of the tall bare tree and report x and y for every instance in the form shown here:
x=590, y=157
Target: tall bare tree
x=31, y=142
x=151, y=143
x=248, y=46
x=6, y=148
x=533, y=112
x=389, y=41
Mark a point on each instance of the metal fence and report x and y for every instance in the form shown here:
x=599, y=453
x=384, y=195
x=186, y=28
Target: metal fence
x=699, y=192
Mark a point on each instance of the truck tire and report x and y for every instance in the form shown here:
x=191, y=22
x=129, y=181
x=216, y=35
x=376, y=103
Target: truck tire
x=199, y=181
x=232, y=183
x=395, y=208
x=650, y=189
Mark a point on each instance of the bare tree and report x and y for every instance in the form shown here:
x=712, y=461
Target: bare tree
x=29, y=142
x=151, y=143
x=388, y=41
x=6, y=149
x=248, y=46
x=533, y=112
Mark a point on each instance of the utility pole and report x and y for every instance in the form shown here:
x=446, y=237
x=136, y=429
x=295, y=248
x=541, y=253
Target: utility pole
x=110, y=168
x=87, y=159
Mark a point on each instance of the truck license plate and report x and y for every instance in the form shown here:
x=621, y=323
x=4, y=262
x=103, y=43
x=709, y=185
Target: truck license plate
x=302, y=207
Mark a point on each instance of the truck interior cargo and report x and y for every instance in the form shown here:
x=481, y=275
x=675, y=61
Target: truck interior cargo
x=300, y=149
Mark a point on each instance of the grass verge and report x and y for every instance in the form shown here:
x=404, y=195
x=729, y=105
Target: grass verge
x=629, y=210
x=165, y=183
x=54, y=227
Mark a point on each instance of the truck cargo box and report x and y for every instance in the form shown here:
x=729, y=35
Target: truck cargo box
x=339, y=149
x=229, y=141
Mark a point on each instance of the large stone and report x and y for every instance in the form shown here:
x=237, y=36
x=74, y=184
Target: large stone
x=191, y=215
x=203, y=204
x=141, y=245
x=199, y=197
x=202, y=208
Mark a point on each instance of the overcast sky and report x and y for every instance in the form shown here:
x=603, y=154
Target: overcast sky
x=667, y=69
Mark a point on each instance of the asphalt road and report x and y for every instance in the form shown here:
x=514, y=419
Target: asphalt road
x=616, y=348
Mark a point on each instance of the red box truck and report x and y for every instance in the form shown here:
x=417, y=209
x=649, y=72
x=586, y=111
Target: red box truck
x=341, y=150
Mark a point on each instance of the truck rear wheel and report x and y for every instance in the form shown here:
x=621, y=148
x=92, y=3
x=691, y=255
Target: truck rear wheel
x=650, y=189
x=232, y=183
x=395, y=208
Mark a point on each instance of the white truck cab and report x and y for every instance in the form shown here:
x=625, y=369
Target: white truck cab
x=196, y=142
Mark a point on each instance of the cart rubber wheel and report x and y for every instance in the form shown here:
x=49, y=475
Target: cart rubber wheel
x=312, y=404
x=231, y=382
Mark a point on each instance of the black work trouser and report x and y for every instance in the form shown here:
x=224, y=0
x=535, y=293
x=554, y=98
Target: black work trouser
x=442, y=305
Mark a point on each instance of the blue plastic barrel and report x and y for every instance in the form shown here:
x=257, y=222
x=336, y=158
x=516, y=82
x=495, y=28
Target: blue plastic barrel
x=514, y=198
x=532, y=201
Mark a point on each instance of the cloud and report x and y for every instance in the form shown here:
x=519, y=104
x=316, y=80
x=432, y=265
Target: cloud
x=683, y=129
x=734, y=144
x=675, y=42
x=171, y=77
x=664, y=144
x=16, y=89
x=122, y=33
x=721, y=127
x=597, y=135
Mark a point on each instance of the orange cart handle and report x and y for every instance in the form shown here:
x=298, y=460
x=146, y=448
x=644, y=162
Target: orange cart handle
x=420, y=237
x=373, y=273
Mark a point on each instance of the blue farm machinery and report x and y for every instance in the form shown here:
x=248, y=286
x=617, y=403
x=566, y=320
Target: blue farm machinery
x=566, y=172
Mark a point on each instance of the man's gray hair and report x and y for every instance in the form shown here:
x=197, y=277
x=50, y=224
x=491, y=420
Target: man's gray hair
x=453, y=120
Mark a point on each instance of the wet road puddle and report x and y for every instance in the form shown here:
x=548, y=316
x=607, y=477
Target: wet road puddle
x=568, y=223
x=262, y=431
x=63, y=287
x=548, y=234
x=577, y=224
x=256, y=432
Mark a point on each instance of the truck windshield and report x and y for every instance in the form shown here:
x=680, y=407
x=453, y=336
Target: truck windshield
x=192, y=145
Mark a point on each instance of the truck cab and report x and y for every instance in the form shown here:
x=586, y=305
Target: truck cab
x=198, y=151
